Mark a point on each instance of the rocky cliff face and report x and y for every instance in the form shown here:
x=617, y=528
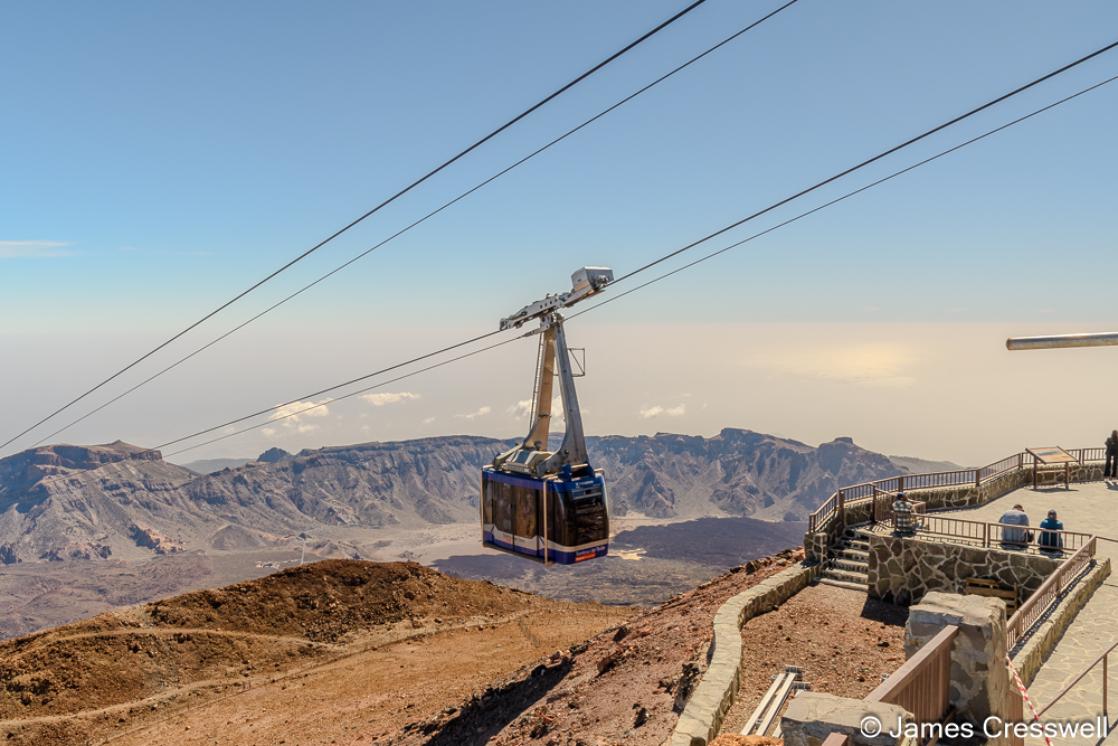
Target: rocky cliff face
x=118, y=500
x=737, y=472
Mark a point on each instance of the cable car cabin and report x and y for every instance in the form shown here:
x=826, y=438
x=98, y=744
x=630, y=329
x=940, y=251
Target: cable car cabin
x=554, y=519
x=549, y=505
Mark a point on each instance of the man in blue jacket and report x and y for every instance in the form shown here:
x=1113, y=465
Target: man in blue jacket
x=1050, y=541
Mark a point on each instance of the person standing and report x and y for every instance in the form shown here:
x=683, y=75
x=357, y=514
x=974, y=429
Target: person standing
x=1111, y=469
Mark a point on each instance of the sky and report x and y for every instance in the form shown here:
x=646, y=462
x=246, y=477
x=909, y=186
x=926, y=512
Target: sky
x=158, y=158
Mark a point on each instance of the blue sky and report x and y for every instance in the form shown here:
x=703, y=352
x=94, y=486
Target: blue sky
x=159, y=157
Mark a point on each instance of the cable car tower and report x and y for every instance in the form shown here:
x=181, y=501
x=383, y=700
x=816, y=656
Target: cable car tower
x=537, y=503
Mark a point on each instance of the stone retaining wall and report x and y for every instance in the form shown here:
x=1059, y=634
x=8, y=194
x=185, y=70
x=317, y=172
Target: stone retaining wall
x=703, y=713
x=903, y=570
x=1046, y=633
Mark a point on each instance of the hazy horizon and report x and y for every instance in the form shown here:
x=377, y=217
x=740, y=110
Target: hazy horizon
x=940, y=392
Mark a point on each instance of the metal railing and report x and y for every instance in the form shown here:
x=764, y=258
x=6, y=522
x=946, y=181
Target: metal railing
x=1032, y=539
x=923, y=684
x=1048, y=593
x=858, y=493
x=1105, y=682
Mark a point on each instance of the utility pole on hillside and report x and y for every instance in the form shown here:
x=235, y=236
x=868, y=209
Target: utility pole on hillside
x=303, y=551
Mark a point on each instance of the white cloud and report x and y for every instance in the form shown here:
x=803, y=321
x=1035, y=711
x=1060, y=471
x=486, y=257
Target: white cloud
x=657, y=410
x=479, y=412
x=389, y=397
x=428, y=420
x=523, y=409
x=291, y=416
x=33, y=249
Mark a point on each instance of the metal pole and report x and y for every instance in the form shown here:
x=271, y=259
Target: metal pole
x=1057, y=341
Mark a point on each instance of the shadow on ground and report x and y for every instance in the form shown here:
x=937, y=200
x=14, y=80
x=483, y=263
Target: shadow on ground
x=487, y=714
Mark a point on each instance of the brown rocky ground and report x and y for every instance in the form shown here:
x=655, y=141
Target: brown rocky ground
x=843, y=642
x=624, y=686
x=318, y=654
x=351, y=652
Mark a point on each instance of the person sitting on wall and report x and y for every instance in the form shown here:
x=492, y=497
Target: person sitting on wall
x=1050, y=541
x=1016, y=534
x=904, y=522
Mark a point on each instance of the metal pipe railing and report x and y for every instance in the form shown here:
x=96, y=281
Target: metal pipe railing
x=1105, y=682
x=858, y=494
x=1048, y=593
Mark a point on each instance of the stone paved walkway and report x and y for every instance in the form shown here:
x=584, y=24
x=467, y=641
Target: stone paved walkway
x=1093, y=508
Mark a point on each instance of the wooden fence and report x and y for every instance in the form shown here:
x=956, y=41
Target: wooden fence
x=923, y=684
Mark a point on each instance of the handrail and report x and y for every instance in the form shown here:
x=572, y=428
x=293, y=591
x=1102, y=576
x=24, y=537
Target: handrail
x=990, y=533
x=858, y=493
x=922, y=685
x=1079, y=678
x=1048, y=593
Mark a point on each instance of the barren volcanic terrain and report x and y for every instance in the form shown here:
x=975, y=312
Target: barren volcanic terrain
x=318, y=654
x=87, y=528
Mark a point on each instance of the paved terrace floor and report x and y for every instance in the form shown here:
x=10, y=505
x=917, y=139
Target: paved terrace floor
x=1090, y=507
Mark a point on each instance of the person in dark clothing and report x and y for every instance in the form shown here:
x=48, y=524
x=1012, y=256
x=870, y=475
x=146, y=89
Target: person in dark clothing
x=1051, y=542
x=1111, y=469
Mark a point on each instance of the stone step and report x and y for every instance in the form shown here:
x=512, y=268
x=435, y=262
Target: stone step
x=848, y=575
x=857, y=544
x=858, y=566
x=858, y=555
x=843, y=584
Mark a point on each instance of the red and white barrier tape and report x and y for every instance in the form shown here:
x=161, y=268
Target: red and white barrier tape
x=1025, y=696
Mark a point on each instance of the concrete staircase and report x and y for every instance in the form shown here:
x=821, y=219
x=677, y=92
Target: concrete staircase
x=849, y=567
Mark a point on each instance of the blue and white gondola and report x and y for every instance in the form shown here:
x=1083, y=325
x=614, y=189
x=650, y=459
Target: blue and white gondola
x=549, y=505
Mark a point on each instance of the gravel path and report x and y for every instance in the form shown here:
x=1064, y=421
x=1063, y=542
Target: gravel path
x=842, y=641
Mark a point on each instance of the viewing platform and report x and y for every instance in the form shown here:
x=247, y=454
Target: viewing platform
x=1060, y=604
x=1086, y=506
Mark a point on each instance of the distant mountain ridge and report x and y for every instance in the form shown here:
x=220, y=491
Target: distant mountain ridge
x=119, y=500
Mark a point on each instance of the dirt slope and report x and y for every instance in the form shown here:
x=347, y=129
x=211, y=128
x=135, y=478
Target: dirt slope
x=314, y=654
x=624, y=686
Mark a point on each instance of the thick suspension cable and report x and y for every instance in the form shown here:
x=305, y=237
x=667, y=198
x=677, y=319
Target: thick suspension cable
x=873, y=159
x=351, y=394
x=445, y=164
x=414, y=224
x=700, y=260
x=335, y=387
x=847, y=195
